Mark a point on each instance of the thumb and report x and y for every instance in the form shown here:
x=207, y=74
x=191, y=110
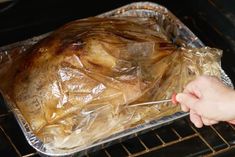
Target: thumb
x=188, y=100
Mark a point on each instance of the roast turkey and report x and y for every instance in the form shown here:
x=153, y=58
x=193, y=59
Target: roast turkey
x=74, y=87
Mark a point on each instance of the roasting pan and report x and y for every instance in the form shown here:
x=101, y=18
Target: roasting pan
x=175, y=31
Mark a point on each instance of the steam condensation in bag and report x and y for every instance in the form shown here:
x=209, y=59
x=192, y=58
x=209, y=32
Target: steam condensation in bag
x=74, y=86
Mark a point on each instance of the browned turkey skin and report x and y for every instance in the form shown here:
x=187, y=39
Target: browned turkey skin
x=73, y=87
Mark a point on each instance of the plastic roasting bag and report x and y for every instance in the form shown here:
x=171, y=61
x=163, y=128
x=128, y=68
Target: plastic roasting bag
x=74, y=86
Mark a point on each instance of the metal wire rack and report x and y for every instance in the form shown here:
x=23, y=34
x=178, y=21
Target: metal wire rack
x=180, y=137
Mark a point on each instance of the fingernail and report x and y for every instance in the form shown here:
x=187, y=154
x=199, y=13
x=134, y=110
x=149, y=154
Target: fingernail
x=179, y=97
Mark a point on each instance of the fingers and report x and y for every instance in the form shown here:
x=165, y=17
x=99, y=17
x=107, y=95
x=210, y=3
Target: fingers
x=208, y=122
x=187, y=101
x=184, y=108
x=199, y=121
x=232, y=122
x=198, y=98
x=193, y=87
x=195, y=119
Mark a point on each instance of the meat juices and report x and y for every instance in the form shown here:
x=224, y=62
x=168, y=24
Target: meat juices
x=73, y=86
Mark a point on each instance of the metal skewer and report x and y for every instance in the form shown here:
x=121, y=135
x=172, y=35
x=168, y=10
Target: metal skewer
x=173, y=100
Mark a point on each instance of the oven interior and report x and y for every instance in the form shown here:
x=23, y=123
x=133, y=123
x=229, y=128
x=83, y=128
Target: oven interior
x=213, y=21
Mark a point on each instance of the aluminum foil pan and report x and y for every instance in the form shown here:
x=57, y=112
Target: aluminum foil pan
x=175, y=31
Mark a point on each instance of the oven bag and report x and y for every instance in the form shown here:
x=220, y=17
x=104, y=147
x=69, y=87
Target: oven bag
x=74, y=86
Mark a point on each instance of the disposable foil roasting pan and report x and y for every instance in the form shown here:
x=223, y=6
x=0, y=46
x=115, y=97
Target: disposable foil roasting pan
x=174, y=29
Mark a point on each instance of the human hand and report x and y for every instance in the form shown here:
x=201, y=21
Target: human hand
x=208, y=101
